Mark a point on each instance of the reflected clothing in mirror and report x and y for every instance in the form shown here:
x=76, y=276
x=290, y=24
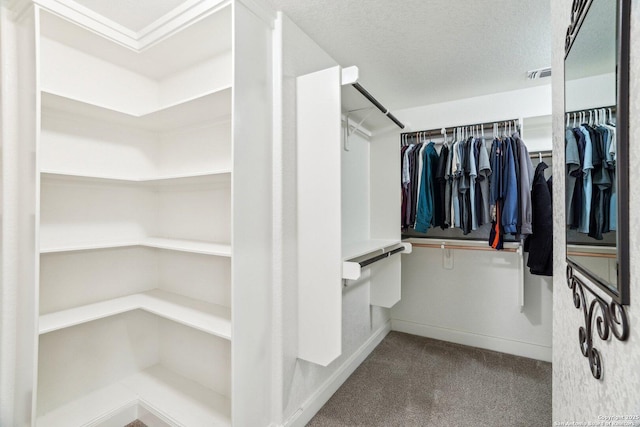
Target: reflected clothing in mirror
x=590, y=177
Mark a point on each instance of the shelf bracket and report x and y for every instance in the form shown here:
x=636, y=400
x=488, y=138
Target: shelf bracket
x=351, y=129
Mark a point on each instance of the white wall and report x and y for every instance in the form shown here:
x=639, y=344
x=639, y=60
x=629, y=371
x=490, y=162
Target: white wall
x=476, y=303
x=591, y=92
x=577, y=396
x=530, y=102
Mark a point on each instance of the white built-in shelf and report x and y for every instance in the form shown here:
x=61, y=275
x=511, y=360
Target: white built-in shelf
x=351, y=250
x=164, y=392
x=206, y=317
x=210, y=177
x=179, y=398
x=89, y=407
x=193, y=246
x=207, y=108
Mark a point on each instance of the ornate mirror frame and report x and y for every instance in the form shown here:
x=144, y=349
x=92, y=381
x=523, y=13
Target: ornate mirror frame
x=610, y=317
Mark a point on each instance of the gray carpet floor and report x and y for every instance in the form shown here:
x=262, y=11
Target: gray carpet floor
x=413, y=381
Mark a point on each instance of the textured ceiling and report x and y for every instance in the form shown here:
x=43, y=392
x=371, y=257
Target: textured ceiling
x=132, y=14
x=416, y=52
x=410, y=52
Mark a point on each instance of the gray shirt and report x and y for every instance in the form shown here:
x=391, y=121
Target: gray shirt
x=484, y=171
x=526, y=181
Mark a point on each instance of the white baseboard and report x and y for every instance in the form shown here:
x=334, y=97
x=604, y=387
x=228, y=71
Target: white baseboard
x=518, y=348
x=313, y=404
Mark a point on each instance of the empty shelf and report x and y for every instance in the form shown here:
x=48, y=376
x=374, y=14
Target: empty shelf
x=89, y=407
x=186, y=178
x=210, y=318
x=179, y=399
x=193, y=246
x=158, y=389
x=211, y=106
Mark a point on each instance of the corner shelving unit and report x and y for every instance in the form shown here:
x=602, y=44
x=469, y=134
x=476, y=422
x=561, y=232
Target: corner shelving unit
x=144, y=194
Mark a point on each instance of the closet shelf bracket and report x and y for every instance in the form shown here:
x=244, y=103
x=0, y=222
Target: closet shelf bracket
x=520, y=253
x=350, y=128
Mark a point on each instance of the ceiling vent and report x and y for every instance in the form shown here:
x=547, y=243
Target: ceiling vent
x=540, y=73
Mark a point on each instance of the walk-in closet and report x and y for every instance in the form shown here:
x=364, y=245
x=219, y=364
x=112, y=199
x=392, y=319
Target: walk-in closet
x=260, y=213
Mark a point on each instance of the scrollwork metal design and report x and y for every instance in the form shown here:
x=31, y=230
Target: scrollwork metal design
x=610, y=318
x=578, y=12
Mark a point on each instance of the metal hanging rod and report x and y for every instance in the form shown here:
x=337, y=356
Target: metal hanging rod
x=463, y=247
x=487, y=125
x=544, y=154
x=378, y=105
x=380, y=257
x=586, y=110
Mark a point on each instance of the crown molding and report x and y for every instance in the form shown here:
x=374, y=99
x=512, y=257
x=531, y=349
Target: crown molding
x=173, y=21
x=90, y=20
x=178, y=18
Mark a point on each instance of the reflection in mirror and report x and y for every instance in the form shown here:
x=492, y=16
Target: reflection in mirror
x=590, y=151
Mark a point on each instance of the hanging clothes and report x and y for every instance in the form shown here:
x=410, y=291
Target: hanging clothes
x=425, y=211
x=591, y=176
x=484, y=173
x=440, y=217
x=540, y=243
x=510, y=190
x=572, y=160
x=464, y=187
x=525, y=184
x=468, y=184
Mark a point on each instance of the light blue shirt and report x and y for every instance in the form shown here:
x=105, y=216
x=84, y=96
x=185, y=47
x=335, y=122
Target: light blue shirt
x=587, y=182
x=572, y=159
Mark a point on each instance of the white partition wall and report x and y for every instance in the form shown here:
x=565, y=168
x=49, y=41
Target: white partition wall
x=252, y=217
x=319, y=216
x=18, y=47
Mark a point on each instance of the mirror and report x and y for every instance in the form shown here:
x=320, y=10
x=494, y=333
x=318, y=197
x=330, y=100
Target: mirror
x=596, y=144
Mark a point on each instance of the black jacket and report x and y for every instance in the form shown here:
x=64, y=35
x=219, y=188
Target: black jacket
x=540, y=243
